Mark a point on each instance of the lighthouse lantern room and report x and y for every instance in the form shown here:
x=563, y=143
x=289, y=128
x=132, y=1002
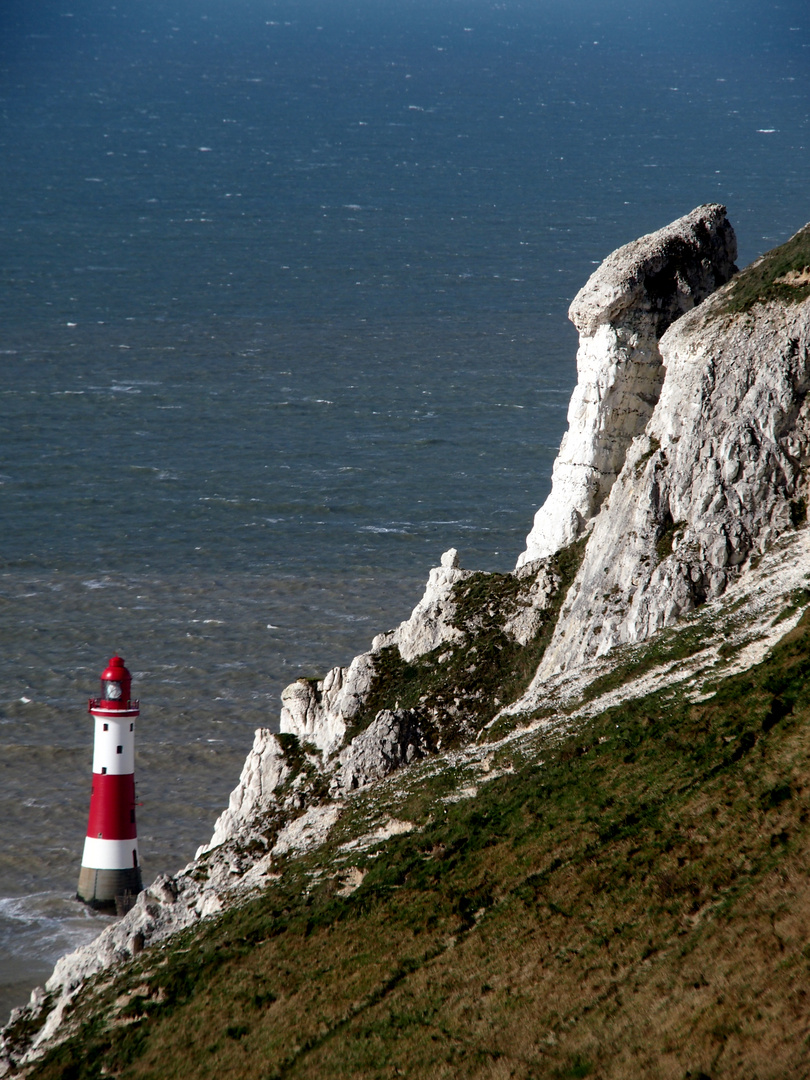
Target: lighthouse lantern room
x=110, y=877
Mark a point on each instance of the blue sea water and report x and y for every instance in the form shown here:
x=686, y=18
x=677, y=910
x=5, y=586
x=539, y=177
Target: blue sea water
x=284, y=291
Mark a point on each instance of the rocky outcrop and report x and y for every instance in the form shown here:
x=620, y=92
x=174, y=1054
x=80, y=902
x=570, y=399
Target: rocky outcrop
x=526, y=622
x=394, y=738
x=688, y=452
x=431, y=622
x=265, y=771
x=621, y=314
x=719, y=474
x=318, y=711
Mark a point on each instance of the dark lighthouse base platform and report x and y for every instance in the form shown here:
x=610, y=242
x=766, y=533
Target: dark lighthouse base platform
x=110, y=891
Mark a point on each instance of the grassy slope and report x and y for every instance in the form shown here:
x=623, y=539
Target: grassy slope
x=763, y=280
x=635, y=905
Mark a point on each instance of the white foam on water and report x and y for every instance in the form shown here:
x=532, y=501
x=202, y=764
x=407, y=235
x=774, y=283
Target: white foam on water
x=35, y=930
x=44, y=926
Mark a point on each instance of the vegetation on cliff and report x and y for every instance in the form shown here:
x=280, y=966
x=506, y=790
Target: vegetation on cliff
x=781, y=274
x=457, y=688
x=628, y=898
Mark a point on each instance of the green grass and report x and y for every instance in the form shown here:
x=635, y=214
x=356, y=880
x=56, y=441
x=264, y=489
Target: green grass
x=666, y=540
x=761, y=282
x=798, y=598
x=666, y=647
x=630, y=901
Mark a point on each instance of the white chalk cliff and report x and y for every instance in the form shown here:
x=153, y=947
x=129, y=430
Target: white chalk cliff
x=621, y=314
x=687, y=456
x=718, y=475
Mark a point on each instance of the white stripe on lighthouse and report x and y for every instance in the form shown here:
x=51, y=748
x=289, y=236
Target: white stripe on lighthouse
x=110, y=734
x=110, y=854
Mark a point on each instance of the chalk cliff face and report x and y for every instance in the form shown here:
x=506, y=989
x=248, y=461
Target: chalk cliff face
x=621, y=314
x=719, y=473
x=688, y=454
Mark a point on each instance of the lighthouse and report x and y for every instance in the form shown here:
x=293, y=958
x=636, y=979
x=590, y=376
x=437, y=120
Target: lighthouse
x=110, y=876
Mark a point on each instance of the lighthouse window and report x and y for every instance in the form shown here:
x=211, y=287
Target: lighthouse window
x=119, y=749
x=131, y=727
x=104, y=768
x=106, y=727
x=132, y=815
x=112, y=690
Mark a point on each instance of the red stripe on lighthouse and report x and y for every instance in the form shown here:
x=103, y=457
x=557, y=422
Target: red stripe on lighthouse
x=112, y=807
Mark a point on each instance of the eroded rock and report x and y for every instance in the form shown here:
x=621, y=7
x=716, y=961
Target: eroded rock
x=394, y=738
x=718, y=476
x=621, y=314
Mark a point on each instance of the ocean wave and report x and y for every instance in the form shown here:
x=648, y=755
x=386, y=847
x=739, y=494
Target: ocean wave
x=385, y=529
x=46, y=924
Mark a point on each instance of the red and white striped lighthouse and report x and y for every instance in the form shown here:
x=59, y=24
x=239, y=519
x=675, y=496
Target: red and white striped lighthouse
x=110, y=876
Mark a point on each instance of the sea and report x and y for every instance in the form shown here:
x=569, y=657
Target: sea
x=284, y=288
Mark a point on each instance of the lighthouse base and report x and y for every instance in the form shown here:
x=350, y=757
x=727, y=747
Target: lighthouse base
x=111, y=891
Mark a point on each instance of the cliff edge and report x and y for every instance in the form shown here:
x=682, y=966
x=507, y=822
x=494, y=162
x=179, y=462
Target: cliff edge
x=685, y=463
x=621, y=314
